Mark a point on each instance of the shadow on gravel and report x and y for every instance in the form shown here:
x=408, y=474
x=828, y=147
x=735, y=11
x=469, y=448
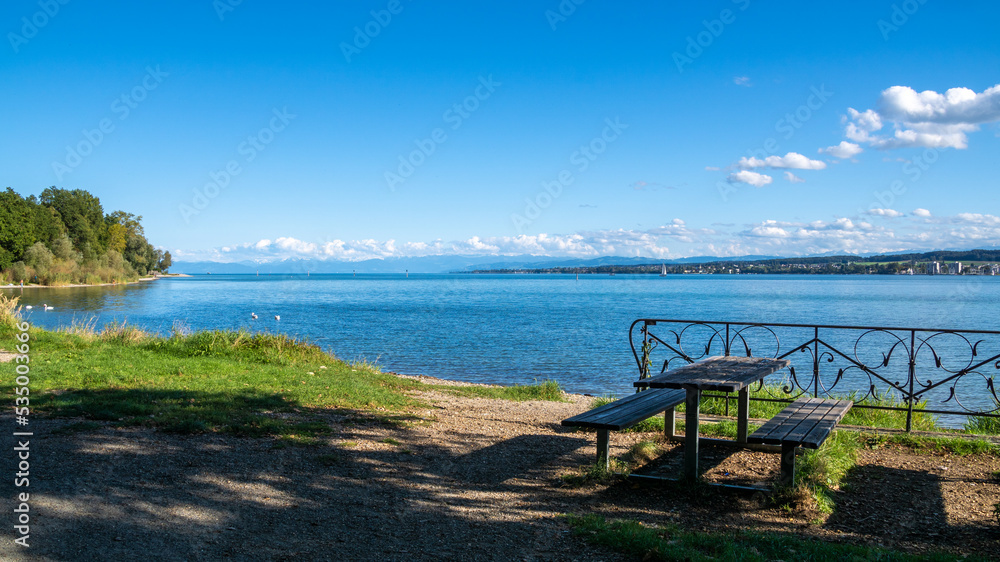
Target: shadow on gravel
x=512, y=458
x=105, y=493
x=892, y=505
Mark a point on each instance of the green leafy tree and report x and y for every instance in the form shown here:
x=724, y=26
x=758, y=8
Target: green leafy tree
x=48, y=223
x=122, y=226
x=62, y=248
x=17, y=227
x=165, y=262
x=38, y=257
x=83, y=216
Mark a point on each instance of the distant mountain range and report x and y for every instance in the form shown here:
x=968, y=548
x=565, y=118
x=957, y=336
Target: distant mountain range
x=425, y=264
x=446, y=264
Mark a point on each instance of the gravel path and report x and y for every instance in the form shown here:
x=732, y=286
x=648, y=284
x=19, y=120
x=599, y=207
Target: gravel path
x=480, y=480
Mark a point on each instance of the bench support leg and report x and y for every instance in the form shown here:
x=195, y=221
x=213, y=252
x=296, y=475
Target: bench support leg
x=742, y=414
x=669, y=424
x=691, y=414
x=787, y=474
x=602, y=447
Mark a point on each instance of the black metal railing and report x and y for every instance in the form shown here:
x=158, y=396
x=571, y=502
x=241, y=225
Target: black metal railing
x=916, y=370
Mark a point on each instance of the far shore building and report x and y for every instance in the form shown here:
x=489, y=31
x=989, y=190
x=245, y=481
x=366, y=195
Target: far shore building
x=955, y=268
x=934, y=268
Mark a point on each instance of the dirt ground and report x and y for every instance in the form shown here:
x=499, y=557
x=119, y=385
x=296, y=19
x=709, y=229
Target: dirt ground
x=479, y=479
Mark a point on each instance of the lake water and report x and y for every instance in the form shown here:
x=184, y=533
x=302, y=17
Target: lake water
x=514, y=328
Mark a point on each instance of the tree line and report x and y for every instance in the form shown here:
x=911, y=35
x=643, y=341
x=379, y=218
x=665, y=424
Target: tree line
x=63, y=237
x=887, y=264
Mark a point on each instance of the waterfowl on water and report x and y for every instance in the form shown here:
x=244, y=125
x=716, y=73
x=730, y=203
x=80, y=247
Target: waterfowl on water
x=253, y=315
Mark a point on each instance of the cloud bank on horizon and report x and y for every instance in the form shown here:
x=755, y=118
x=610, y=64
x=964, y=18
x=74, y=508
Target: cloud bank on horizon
x=878, y=231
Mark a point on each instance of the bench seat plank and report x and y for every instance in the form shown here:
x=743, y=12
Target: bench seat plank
x=616, y=415
x=626, y=412
x=826, y=425
x=804, y=423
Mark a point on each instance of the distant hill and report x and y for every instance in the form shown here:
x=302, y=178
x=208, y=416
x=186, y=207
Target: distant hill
x=425, y=264
x=446, y=264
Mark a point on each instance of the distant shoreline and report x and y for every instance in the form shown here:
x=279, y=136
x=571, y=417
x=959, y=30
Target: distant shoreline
x=78, y=285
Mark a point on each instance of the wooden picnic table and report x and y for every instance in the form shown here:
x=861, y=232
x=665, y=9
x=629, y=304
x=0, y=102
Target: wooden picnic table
x=721, y=374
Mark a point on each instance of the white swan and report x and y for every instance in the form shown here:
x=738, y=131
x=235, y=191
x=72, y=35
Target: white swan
x=253, y=315
x=276, y=317
x=47, y=307
x=28, y=307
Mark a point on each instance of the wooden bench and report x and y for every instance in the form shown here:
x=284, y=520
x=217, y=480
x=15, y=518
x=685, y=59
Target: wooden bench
x=626, y=412
x=807, y=422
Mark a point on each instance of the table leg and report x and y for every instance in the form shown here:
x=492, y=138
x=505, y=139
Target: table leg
x=742, y=415
x=691, y=415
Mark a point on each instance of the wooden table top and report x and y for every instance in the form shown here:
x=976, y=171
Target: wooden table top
x=721, y=374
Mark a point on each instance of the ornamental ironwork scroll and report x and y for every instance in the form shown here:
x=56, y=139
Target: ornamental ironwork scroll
x=916, y=370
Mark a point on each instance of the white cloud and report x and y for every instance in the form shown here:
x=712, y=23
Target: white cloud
x=792, y=160
x=956, y=106
x=977, y=218
x=862, y=124
x=921, y=213
x=885, y=213
x=294, y=245
x=843, y=150
x=742, y=81
x=753, y=178
x=924, y=119
x=793, y=178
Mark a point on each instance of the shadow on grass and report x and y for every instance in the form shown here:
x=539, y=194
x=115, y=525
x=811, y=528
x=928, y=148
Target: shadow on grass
x=177, y=411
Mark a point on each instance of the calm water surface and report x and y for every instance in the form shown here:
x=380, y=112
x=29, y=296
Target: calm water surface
x=513, y=328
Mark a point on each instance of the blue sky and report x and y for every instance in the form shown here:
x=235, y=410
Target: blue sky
x=249, y=130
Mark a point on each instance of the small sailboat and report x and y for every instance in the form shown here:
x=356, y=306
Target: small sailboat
x=663, y=270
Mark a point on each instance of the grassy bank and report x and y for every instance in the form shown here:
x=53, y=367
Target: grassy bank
x=233, y=382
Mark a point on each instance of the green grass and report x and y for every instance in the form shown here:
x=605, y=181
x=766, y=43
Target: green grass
x=889, y=419
x=231, y=382
x=983, y=425
x=673, y=543
x=641, y=453
x=818, y=472
x=935, y=445
x=597, y=473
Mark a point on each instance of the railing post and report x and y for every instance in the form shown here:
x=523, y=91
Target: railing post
x=644, y=370
x=913, y=376
x=816, y=362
